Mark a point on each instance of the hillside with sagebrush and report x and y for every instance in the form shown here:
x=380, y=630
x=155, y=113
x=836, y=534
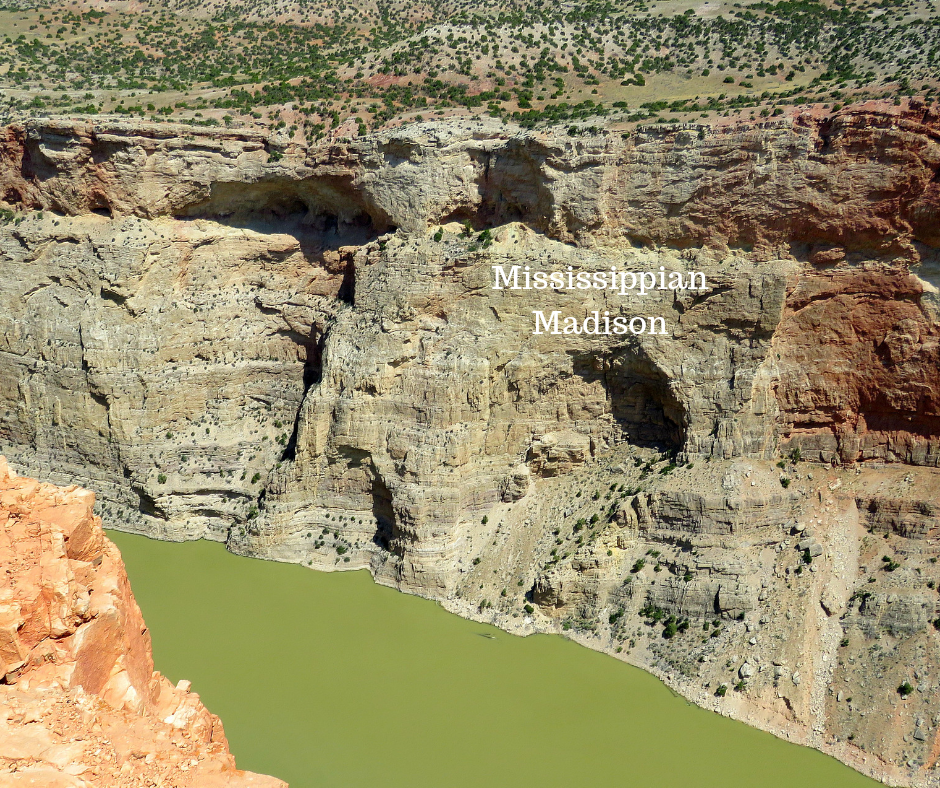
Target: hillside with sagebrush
x=320, y=69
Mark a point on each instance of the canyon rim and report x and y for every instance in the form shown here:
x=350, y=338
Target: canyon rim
x=298, y=351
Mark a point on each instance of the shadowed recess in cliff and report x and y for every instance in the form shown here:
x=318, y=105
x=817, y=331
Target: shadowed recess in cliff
x=384, y=513
x=495, y=209
x=510, y=187
x=313, y=373
x=639, y=397
x=323, y=214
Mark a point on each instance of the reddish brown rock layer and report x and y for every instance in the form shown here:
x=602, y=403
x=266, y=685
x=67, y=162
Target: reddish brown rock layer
x=860, y=368
x=80, y=702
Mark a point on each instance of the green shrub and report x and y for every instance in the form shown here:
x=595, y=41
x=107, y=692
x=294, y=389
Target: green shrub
x=161, y=479
x=889, y=563
x=529, y=609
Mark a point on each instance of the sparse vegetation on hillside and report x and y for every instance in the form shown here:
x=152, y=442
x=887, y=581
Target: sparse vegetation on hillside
x=316, y=69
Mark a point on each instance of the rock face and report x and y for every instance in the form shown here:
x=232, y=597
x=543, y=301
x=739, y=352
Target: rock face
x=81, y=703
x=300, y=352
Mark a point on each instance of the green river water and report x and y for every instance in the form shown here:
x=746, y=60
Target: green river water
x=330, y=680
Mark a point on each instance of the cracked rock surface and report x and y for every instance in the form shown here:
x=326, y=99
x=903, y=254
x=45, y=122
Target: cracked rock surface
x=80, y=702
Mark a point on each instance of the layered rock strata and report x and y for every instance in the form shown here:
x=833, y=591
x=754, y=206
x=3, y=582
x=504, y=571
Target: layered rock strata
x=80, y=702
x=300, y=352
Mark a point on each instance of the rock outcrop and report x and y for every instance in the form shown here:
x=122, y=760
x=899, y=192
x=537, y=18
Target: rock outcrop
x=300, y=352
x=81, y=703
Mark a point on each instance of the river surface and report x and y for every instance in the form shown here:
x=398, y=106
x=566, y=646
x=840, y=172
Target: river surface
x=330, y=680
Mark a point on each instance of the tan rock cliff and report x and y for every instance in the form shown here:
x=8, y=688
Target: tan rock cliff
x=302, y=354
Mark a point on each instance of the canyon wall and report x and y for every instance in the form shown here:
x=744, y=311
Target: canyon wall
x=81, y=703
x=299, y=352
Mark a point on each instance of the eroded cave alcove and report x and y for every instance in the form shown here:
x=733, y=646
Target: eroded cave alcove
x=641, y=401
x=323, y=214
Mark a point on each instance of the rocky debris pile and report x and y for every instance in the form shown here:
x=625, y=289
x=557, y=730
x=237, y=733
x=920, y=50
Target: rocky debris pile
x=80, y=703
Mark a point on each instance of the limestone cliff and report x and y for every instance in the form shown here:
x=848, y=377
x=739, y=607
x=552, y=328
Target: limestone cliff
x=81, y=703
x=299, y=351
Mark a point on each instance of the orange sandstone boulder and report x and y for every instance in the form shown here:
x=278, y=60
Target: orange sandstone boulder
x=80, y=702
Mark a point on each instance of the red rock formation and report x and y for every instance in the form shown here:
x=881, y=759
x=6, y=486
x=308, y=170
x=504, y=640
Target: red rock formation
x=859, y=357
x=80, y=702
